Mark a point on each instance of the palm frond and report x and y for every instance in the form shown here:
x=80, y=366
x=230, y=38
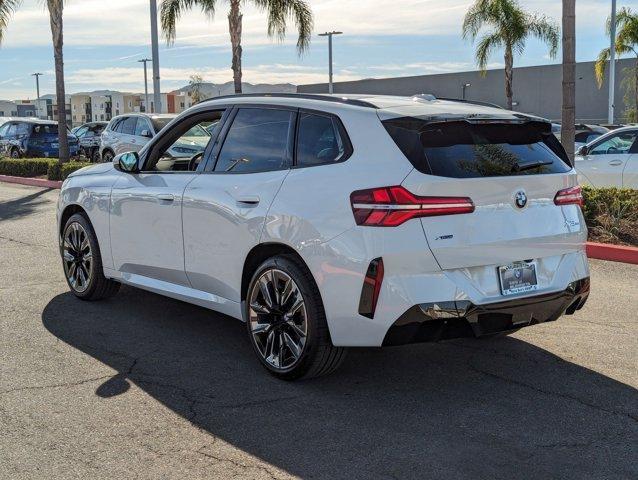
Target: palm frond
x=172, y=10
x=479, y=14
x=601, y=65
x=486, y=47
x=7, y=8
x=279, y=11
x=545, y=30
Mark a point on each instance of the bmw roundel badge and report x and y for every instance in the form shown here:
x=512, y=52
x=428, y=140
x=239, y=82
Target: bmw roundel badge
x=520, y=199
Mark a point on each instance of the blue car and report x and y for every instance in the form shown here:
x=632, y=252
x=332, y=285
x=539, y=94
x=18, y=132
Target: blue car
x=33, y=138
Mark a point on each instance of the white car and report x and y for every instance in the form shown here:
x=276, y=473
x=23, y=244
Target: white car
x=131, y=131
x=611, y=160
x=325, y=222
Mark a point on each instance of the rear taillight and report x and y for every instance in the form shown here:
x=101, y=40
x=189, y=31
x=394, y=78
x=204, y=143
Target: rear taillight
x=568, y=196
x=371, y=288
x=392, y=206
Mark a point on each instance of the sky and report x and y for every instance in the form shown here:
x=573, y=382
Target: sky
x=382, y=38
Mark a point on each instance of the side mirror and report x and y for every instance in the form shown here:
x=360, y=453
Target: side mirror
x=582, y=151
x=147, y=134
x=127, y=162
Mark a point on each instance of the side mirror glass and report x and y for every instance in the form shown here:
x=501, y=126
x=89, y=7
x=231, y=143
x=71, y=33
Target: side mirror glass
x=147, y=134
x=127, y=162
x=582, y=151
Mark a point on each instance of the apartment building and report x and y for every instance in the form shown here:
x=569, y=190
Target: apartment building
x=8, y=109
x=81, y=111
x=172, y=102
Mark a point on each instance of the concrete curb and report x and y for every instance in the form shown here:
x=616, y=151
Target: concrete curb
x=612, y=253
x=32, y=182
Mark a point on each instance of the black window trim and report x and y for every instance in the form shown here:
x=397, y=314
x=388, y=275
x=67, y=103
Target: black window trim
x=212, y=161
x=339, y=128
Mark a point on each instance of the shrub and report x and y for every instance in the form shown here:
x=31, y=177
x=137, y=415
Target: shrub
x=25, y=167
x=611, y=215
x=57, y=172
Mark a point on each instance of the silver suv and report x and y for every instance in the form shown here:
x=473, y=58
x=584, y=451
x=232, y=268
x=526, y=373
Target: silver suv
x=130, y=132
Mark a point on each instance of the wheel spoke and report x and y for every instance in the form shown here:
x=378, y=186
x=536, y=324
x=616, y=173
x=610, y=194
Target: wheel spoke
x=260, y=328
x=77, y=256
x=299, y=303
x=258, y=308
x=296, y=328
x=292, y=346
x=67, y=256
x=268, y=350
x=265, y=292
x=280, y=355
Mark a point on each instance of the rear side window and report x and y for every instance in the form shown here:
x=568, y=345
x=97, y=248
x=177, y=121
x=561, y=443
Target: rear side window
x=45, y=130
x=258, y=141
x=460, y=149
x=319, y=140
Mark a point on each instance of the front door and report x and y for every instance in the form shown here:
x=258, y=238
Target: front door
x=606, y=160
x=146, y=210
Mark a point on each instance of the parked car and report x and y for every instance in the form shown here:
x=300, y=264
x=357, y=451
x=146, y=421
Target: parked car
x=583, y=133
x=131, y=132
x=611, y=160
x=89, y=136
x=33, y=138
x=327, y=221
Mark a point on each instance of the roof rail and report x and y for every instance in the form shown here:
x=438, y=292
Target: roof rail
x=307, y=96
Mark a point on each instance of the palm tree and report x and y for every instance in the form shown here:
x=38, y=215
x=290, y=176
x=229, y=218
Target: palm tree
x=278, y=12
x=626, y=42
x=511, y=26
x=56, y=8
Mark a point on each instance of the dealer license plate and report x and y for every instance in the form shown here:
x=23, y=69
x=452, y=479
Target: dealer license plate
x=518, y=277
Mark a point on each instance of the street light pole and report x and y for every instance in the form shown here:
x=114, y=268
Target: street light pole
x=157, y=97
x=37, y=89
x=612, y=63
x=144, y=61
x=329, y=35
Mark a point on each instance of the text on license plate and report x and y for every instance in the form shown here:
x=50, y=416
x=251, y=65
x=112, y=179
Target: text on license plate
x=519, y=277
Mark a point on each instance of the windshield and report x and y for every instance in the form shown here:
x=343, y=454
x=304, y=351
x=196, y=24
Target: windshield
x=461, y=149
x=197, y=131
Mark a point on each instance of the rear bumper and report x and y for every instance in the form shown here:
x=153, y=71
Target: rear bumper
x=430, y=322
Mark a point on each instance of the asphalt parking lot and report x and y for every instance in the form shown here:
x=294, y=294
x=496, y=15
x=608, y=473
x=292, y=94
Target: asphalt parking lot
x=141, y=386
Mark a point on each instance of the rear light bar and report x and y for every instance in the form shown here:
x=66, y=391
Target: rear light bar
x=371, y=288
x=392, y=206
x=569, y=196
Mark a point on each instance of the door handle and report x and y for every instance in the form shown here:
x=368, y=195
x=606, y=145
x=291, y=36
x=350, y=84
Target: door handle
x=248, y=200
x=165, y=197
x=615, y=163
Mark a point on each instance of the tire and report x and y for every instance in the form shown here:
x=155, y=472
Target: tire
x=313, y=355
x=15, y=153
x=95, y=157
x=85, y=277
x=107, y=156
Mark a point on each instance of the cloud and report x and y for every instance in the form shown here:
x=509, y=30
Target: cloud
x=125, y=22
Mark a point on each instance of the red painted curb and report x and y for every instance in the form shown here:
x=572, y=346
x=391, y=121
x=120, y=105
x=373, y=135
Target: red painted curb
x=32, y=182
x=613, y=253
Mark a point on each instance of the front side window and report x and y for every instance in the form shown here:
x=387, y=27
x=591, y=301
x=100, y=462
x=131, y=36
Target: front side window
x=182, y=147
x=318, y=141
x=142, y=127
x=460, y=149
x=4, y=130
x=616, y=144
x=258, y=141
x=22, y=129
x=128, y=126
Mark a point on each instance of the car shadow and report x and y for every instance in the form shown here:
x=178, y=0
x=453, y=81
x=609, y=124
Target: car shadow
x=500, y=408
x=22, y=206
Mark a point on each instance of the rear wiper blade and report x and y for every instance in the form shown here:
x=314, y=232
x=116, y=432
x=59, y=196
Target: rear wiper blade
x=529, y=166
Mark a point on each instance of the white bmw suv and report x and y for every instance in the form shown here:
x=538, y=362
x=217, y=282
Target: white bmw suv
x=325, y=222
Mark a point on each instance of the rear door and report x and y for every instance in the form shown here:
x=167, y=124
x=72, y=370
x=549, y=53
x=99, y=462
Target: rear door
x=510, y=171
x=606, y=159
x=225, y=207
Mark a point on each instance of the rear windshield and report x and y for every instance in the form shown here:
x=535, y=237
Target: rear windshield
x=45, y=129
x=461, y=149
